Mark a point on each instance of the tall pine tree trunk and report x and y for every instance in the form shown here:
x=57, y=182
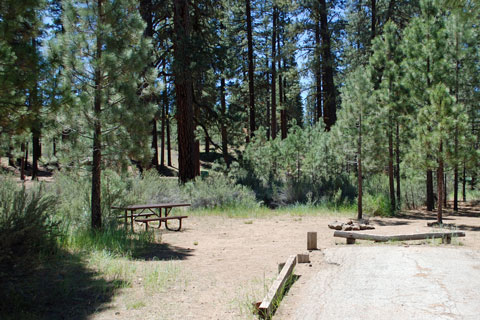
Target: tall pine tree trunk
x=268, y=103
x=162, y=138
x=390, y=168
x=37, y=125
x=22, y=164
x=283, y=112
x=455, y=168
x=97, y=135
x=359, y=170
x=374, y=19
x=274, y=74
x=183, y=88
x=223, y=129
x=440, y=181
x=464, y=183
x=36, y=149
x=167, y=121
x=318, y=74
x=251, y=92
x=430, y=201
x=397, y=154
x=328, y=85
x=154, y=143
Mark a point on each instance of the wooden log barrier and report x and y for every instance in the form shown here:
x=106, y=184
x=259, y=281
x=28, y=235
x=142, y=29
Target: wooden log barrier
x=352, y=236
x=266, y=307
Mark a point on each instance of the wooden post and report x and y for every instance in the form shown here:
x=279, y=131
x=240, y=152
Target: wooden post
x=311, y=241
x=303, y=258
x=350, y=241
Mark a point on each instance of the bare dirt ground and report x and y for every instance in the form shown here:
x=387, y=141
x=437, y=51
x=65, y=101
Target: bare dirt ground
x=226, y=264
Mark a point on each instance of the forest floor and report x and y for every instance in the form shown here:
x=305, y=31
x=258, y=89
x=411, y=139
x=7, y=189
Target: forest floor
x=223, y=265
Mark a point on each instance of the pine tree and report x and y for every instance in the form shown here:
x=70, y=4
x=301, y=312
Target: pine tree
x=104, y=56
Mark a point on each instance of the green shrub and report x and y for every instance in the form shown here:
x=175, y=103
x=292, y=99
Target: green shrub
x=376, y=205
x=219, y=192
x=27, y=231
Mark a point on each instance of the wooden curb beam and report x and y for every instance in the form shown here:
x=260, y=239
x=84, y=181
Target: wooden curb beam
x=266, y=307
x=352, y=236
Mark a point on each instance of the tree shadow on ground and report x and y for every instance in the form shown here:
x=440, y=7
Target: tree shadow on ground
x=385, y=223
x=63, y=288
x=162, y=251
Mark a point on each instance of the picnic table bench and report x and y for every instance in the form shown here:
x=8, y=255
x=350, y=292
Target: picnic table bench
x=147, y=213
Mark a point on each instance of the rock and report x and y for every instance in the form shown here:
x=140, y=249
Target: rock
x=347, y=227
x=349, y=222
x=335, y=225
x=355, y=227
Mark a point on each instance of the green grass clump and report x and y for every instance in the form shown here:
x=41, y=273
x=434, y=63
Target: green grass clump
x=117, y=241
x=27, y=232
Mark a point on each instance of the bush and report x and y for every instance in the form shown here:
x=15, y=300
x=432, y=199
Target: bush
x=377, y=205
x=27, y=231
x=219, y=192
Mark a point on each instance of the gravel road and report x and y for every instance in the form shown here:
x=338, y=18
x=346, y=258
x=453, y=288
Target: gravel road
x=393, y=282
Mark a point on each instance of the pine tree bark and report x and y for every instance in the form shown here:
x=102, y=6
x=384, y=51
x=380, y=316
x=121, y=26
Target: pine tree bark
x=183, y=88
x=22, y=164
x=430, y=201
x=162, y=138
x=397, y=154
x=390, y=168
x=97, y=135
x=455, y=168
x=328, y=85
x=274, y=74
x=251, y=67
x=36, y=149
x=444, y=189
x=268, y=102
x=359, y=170
x=440, y=189
x=374, y=20
x=167, y=121
x=283, y=112
x=223, y=129
x=36, y=127
x=154, y=143
x=318, y=74
x=464, y=183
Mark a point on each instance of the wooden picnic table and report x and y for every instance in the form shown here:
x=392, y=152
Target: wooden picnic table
x=148, y=213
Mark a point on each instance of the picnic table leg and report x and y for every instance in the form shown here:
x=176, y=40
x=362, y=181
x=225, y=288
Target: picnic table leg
x=160, y=222
x=131, y=220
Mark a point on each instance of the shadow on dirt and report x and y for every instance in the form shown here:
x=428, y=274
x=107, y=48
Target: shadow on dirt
x=59, y=289
x=162, y=251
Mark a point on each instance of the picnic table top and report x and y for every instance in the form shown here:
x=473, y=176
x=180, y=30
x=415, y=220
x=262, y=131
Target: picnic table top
x=151, y=206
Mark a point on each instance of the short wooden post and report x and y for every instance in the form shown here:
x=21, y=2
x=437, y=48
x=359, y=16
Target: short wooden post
x=350, y=241
x=303, y=258
x=311, y=241
x=447, y=239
